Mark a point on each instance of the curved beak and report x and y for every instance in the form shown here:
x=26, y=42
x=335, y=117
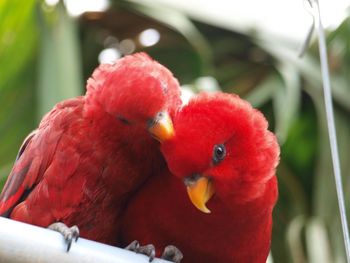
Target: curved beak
x=161, y=127
x=200, y=189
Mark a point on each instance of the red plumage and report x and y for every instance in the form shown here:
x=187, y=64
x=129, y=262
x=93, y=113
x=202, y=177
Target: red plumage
x=90, y=153
x=238, y=229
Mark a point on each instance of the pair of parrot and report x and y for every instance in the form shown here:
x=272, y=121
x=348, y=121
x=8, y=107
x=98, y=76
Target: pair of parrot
x=95, y=162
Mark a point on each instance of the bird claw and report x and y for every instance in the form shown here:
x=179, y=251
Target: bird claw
x=172, y=253
x=69, y=233
x=147, y=250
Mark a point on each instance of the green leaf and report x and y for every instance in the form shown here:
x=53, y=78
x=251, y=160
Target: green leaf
x=16, y=117
x=262, y=93
x=18, y=43
x=60, y=73
x=294, y=239
x=309, y=68
x=286, y=100
x=18, y=37
x=317, y=242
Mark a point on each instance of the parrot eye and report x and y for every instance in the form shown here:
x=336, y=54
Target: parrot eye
x=123, y=119
x=219, y=153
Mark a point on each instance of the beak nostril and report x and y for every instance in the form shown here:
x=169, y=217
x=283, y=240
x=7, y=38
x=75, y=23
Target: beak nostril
x=160, y=115
x=192, y=179
x=161, y=127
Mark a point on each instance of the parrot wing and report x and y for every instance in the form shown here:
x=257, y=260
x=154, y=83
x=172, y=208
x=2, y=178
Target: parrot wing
x=14, y=188
x=35, y=156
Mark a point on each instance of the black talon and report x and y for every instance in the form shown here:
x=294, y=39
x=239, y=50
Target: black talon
x=172, y=253
x=133, y=246
x=69, y=234
x=147, y=250
x=75, y=233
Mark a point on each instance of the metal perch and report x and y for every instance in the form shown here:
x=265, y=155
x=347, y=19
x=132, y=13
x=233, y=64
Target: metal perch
x=25, y=243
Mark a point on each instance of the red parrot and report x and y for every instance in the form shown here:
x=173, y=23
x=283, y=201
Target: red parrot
x=224, y=158
x=90, y=153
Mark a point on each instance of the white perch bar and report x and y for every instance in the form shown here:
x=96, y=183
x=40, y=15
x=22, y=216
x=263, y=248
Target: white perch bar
x=23, y=243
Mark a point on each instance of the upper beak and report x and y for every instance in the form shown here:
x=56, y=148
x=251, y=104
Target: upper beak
x=161, y=127
x=200, y=189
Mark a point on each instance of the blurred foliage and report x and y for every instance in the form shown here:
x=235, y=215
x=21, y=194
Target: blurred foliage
x=59, y=63
x=45, y=55
x=18, y=46
x=40, y=65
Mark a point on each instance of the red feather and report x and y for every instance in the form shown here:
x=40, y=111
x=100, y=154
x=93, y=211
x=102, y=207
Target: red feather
x=238, y=229
x=91, y=153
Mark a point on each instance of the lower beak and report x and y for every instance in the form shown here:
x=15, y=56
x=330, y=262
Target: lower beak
x=161, y=127
x=200, y=191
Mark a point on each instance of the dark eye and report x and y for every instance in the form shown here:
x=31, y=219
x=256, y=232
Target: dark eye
x=219, y=153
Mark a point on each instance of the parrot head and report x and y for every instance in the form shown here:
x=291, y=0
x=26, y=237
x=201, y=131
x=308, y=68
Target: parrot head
x=221, y=150
x=137, y=91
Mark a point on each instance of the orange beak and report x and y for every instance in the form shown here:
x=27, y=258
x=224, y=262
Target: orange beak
x=200, y=190
x=161, y=127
